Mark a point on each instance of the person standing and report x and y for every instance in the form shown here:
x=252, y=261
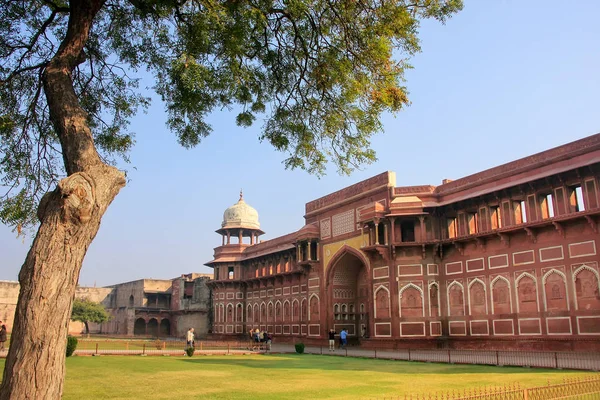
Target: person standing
x=331, y=339
x=3, y=337
x=190, y=338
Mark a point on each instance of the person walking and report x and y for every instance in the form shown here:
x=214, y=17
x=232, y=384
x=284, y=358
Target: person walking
x=332, y=340
x=3, y=337
x=189, y=338
x=344, y=338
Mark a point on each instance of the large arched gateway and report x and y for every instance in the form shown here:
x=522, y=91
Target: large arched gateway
x=348, y=293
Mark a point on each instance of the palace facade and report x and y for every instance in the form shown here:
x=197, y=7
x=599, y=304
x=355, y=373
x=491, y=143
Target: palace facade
x=506, y=257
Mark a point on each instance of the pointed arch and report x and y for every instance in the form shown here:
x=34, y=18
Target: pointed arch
x=229, y=317
x=341, y=253
x=527, y=293
x=314, y=307
x=263, y=312
x=586, y=286
x=523, y=275
x=455, y=293
x=585, y=267
x=249, y=313
x=408, y=304
x=303, y=311
x=500, y=297
x=434, y=299
x=286, y=310
x=239, y=312
x=295, y=310
x=278, y=311
x=270, y=311
x=556, y=297
x=409, y=285
x=381, y=302
x=553, y=271
x=256, y=312
x=476, y=298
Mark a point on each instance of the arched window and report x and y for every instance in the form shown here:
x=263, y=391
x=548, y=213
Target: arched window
x=239, y=313
x=249, y=313
x=286, y=311
x=278, y=311
x=295, y=310
x=270, y=312
x=131, y=299
x=314, y=308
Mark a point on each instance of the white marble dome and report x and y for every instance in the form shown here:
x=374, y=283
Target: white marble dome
x=240, y=215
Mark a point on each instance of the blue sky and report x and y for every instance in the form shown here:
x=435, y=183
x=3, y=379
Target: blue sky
x=501, y=80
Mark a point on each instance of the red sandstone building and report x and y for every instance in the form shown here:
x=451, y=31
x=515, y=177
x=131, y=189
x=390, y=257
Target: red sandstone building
x=500, y=258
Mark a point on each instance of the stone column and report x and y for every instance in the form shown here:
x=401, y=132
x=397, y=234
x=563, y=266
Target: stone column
x=228, y=237
x=385, y=234
x=317, y=249
x=308, y=251
x=362, y=236
x=240, y=237
x=376, y=233
x=423, y=234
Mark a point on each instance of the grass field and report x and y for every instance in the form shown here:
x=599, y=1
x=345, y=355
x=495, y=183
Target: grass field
x=280, y=377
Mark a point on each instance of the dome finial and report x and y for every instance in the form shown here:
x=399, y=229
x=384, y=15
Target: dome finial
x=241, y=195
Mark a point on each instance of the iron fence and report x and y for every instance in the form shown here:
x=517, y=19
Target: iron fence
x=587, y=388
x=160, y=347
x=537, y=359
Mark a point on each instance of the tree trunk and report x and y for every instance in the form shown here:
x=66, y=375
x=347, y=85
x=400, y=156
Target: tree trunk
x=87, y=328
x=70, y=217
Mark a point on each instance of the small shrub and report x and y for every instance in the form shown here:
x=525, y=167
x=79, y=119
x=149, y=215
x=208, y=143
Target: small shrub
x=158, y=344
x=299, y=348
x=71, y=345
x=190, y=351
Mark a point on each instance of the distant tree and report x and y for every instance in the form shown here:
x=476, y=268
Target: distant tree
x=320, y=72
x=88, y=311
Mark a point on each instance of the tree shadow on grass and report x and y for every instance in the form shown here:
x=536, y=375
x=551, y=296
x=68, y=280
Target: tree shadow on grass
x=328, y=363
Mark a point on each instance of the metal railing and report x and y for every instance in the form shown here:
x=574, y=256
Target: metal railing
x=160, y=347
x=587, y=388
x=536, y=359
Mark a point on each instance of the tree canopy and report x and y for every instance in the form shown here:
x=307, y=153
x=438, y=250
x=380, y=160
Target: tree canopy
x=317, y=73
x=89, y=311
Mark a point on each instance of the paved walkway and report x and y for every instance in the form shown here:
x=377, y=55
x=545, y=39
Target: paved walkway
x=562, y=360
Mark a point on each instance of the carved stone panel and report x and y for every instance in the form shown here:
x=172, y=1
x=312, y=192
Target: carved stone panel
x=555, y=289
x=411, y=303
x=456, y=300
x=527, y=295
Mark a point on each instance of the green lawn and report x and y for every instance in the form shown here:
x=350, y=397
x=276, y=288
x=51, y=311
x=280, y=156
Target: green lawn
x=280, y=377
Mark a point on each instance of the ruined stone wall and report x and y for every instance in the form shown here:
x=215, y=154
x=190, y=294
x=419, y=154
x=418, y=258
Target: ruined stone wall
x=196, y=320
x=9, y=293
x=124, y=291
